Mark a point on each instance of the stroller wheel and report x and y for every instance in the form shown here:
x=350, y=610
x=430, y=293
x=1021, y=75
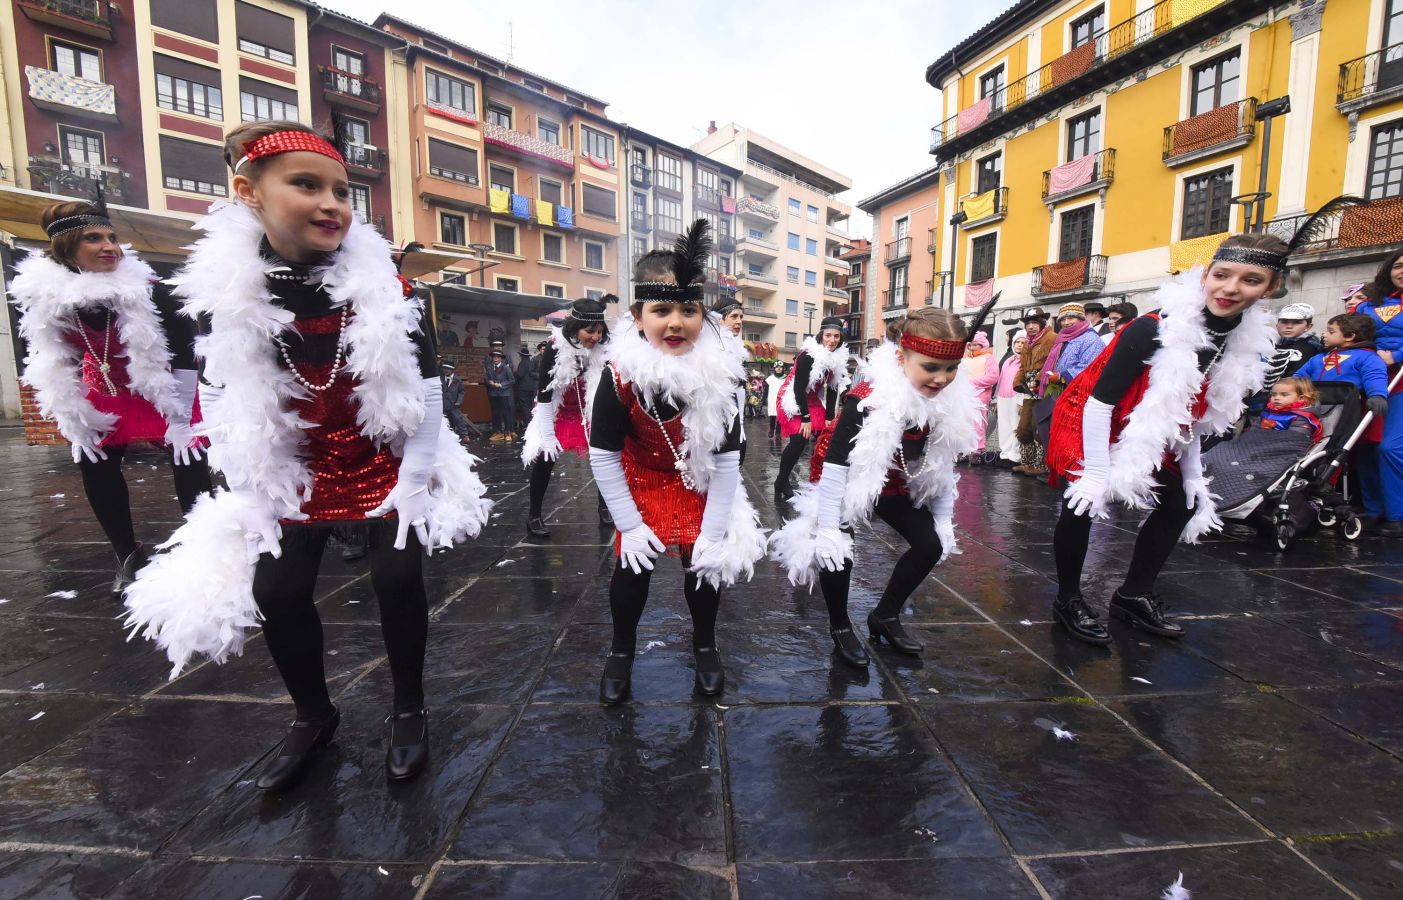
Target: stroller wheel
x=1352, y=528
x=1326, y=517
x=1285, y=535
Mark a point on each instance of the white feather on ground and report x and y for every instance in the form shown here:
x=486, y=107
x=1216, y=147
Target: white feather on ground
x=1176, y=891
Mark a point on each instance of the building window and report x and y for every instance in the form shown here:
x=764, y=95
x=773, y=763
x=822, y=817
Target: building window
x=812, y=213
x=548, y=131
x=263, y=32
x=508, y=284
x=640, y=247
x=75, y=61
x=451, y=94
x=982, y=251
x=795, y=207
x=594, y=294
x=898, y=286
x=355, y=132
x=1087, y=27
x=1207, y=204
x=452, y=229
x=670, y=175
x=640, y=204
x=504, y=237
x=991, y=85
x=990, y=172
x=198, y=20
x=1216, y=82
x=501, y=178
x=348, y=61
x=855, y=273
x=811, y=246
x=550, y=190
x=1076, y=233
x=273, y=53
x=707, y=178
x=82, y=148
x=791, y=340
x=599, y=202
x=810, y=278
x=552, y=247
x=1084, y=135
x=553, y=290
x=360, y=201
x=727, y=188
x=188, y=88
x=259, y=102
x=791, y=274
x=191, y=166
x=499, y=114
x=452, y=162
x=594, y=256
x=793, y=241
x=791, y=307
x=597, y=144
x=667, y=213
x=1385, y=178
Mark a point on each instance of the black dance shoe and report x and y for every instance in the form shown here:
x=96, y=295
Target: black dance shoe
x=710, y=678
x=126, y=572
x=617, y=680
x=537, y=528
x=892, y=630
x=784, y=490
x=1081, y=620
x=405, y=760
x=1145, y=612
x=303, y=743
x=846, y=642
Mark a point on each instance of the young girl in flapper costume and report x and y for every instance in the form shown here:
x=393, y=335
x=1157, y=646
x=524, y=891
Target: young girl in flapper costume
x=808, y=398
x=106, y=367
x=324, y=411
x=570, y=370
x=892, y=452
x=664, y=447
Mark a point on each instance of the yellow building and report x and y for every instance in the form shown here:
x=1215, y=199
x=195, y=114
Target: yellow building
x=1091, y=147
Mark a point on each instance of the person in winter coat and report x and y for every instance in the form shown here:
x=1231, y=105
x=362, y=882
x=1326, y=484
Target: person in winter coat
x=453, y=394
x=528, y=370
x=500, y=378
x=1031, y=360
x=772, y=385
x=1008, y=402
x=1295, y=343
x=1076, y=346
x=983, y=373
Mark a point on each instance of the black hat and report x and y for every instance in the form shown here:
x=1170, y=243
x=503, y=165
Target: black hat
x=542, y=345
x=1034, y=313
x=1094, y=306
x=444, y=364
x=524, y=352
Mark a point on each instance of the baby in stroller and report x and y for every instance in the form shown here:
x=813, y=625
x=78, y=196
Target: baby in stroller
x=1243, y=468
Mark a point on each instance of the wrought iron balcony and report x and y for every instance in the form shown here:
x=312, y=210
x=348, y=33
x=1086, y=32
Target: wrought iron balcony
x=894, y=298
x=1364, y=228
x=898, y=251
x=640, y=221
x=365, y=159
x=531, y=146
x=1081, y=277
x=984, y=208
x=350, y=90
x=72, y=179
x=726, y=243
x=1086, y=175
x=70, y=95
x=1219, y=130
x=640, y=175
x=1370, y=80
x=90, y=17
x=749, y=206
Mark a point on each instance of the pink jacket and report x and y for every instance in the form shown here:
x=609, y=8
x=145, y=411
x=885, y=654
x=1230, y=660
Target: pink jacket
x=1008, y=376
x=983, y=373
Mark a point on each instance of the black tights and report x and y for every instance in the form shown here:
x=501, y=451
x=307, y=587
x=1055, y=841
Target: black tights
x=106, y=488
x=283, y=589
x=628, y=594
x=917, y=526
x=540, y=480
x=1156, y=540
x=789, y=458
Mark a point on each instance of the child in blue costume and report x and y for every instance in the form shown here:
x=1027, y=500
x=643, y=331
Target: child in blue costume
x=1388, y=322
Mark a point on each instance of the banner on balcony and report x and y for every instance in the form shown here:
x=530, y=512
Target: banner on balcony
x=971, y=116
x=1072, y=174
x=565, y=216
x=499, y=201
x=48, y=86
x=521, y=206
x=1205, y=130
x=1184, y=255
x=545, y=212
x=728, y=205
x=597, y=162
x=1064, y=276
x=1180, y=11
x=979, y=293
x=1070, y=65
x=980, y=207
x=1371, y=224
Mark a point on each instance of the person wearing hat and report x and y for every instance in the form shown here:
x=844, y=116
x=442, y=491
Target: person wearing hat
x=453, y=393
x=773, y=383
x=1007, y=402
x=1295, y=343
x=1355, y=294
x=1074, y=348
x=1096, y=317
x=808, y=399
x=982, y=370
x=1030, y=368
x=500, y=378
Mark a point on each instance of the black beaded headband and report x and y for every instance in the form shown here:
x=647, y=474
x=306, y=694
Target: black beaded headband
x=727, y=305
x=666, y=292
x=586, y=316
x=1251, y=256
x=73, y=223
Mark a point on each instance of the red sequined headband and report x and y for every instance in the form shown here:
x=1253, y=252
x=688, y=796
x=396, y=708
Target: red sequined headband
x=934, y=349
x=287, y=142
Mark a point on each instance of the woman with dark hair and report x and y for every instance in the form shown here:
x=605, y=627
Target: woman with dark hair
x=569, y=373
x=106, y=367
x=1388, y=339
x=808, y=399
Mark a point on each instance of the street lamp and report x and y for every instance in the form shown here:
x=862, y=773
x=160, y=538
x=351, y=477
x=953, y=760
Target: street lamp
x=1266, y=111
x=955, y=221
x=809, y=310
x=481, y=251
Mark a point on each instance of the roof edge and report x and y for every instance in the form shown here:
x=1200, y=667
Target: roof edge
x=921, y=179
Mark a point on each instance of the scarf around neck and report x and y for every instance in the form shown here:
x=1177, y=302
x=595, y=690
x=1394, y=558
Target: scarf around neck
x=1064, y=337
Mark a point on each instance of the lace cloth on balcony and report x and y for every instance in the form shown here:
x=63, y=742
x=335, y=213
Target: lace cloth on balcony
x=1370, y=224
x=1072, y=174
x=1070, y=65
x=1206, y=129
x=979, y=293
x=1064, y=276
x=972, y=116
x=1184, y=255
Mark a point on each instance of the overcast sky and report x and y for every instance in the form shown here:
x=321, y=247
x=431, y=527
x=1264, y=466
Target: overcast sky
x=841, y=82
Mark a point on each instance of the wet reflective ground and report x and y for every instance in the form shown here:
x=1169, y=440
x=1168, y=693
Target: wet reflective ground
x=1261, y=757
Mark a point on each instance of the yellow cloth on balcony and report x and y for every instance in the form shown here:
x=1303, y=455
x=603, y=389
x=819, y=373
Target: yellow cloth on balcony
x=1180, y=11
x=501, y=201
x=1184, y=255
x=980, y=207
x=545, y=212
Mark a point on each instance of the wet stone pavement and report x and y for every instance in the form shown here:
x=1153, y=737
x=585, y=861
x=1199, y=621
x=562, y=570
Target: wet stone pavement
x=1262, y=756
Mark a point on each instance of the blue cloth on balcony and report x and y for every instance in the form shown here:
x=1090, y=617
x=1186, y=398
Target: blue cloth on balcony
x=521, y=206
x=565, y=216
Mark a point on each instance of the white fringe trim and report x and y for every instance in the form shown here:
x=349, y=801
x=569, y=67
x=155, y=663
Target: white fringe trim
x=732, y=560
x=829, y=369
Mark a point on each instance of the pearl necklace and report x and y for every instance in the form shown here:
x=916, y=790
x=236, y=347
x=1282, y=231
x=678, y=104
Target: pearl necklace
x=336, y=363
x=103, y=366
x=679, y=459
x=901, y=460
x=580, y=395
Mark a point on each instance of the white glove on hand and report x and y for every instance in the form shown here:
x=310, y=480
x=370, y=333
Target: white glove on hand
x=945, y=530
x=638, y=547
x=1191, y=470
x=409, y=499
x=262, y=533
x=830, y=549
x=1087, y=495
x=92, y=453
x=184, y=443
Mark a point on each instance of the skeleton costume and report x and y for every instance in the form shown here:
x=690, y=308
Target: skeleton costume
x=110, y=373
x=664, y=446
x=892, y=452
x=560, y=418
x=809, y=396
x=324, y=409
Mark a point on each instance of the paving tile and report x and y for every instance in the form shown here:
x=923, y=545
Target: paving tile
x=896, y=879
x=238, y=880
x=1268, y=652
x=1370, y=711
x=33, y=723
x=37, y=875
x=624, y=880
x=1370, y=865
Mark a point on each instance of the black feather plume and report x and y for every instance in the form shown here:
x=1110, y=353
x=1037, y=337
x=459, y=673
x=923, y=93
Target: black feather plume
x=690, y=253
x=978, y=321
x=1315, y=227
x=100, y=200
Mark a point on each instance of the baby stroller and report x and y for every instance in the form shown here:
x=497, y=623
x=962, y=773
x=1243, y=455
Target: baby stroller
x=1286, y=498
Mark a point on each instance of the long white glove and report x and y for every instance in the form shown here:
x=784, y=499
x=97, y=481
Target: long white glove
x=1191, y=469
x=1087, y=495
x=638, y=545
x=262, y=533
x=831, y=546
x=720, y=497
x=186, y=446
x=93, y=453
x=409, y=498
x=943, y=509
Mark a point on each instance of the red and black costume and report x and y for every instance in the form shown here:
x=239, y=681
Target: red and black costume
x=809, y=396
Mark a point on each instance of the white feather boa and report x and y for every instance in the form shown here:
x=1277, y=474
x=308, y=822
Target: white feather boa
x=1163, y=419
x=893, y=407
x=49, y=294
x=197, y=599
x=830, y=369
x=571, y=362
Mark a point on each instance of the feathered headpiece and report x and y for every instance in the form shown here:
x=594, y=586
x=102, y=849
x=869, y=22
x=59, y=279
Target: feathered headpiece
x=949, y=349
x=98, y=218
x=689, y=255
x=1311, y=230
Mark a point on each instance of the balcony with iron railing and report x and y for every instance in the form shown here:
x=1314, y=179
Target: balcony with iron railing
x=985, y=208
x=1372, y=79
x=931, y=235
x=527, y=145
x=640, y=175
x=894, y=298
x=70, y=95
x=768, y=170
x=640, y=221
x=1149, y=36
x=1085, y=175
x=758, y=209
x=1070, y=279
x=77, y=179
x=1228, y=127
x=898, y=251
x=364, y=159
x=707, y=196
x=347, y=89
x=726, y=242
x=90, y=17
x=1359, y=231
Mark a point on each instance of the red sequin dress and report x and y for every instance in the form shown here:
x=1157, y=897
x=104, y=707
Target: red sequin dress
x=672, y=511
x=913, y=446
x=570, y=428
x=813, y=398
x=138, y=422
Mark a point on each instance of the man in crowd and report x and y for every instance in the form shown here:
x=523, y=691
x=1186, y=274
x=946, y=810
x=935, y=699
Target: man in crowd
x=453, y=392
x=1117, y=317
x=1096, y=319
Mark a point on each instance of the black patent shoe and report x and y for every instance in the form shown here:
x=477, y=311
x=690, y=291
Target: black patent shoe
x=404, y=761
x=126, y=572
x=617, y=680
x=846, y=642
x=537, y=528
x=895, y=634
x=784, y=490
x=605, y=517
x=308, y=739
x=1145, y=612
x=710, y=678
x=1081, y=620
